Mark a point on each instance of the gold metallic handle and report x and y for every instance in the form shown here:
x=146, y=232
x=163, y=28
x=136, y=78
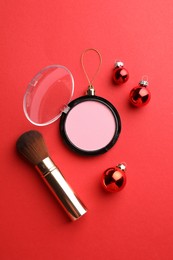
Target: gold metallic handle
x=60, y=188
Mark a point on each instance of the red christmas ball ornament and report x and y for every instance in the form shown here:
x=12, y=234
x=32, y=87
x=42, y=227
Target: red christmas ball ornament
x=114, y=179
x=120, y=74
x=140, y=95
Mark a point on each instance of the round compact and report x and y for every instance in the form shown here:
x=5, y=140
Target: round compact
x=89, y=124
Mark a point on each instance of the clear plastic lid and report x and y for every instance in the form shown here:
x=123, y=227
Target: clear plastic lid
x=48, y=94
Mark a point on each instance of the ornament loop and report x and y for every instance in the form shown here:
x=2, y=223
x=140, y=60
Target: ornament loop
x=90, y=81
x=144, y=78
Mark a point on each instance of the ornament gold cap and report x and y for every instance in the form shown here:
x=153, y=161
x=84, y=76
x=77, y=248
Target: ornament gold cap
x=122, y=166
x=118, y=64
x=144, y=81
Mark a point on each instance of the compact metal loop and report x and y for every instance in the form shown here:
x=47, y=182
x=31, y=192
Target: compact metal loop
x=90, y=81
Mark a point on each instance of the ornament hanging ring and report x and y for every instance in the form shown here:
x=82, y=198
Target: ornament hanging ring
x=90, y=81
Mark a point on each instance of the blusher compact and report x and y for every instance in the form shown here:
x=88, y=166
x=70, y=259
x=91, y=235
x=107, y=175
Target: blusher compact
x=89, y=125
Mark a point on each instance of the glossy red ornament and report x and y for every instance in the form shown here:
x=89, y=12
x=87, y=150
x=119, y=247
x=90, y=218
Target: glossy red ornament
x=140, y=95
x=114, y=179
x=120, y=74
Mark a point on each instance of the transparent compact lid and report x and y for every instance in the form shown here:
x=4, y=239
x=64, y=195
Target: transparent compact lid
x=48, y=94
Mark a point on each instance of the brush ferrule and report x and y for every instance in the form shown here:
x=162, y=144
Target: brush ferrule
x=45, y=166
x=60, y=188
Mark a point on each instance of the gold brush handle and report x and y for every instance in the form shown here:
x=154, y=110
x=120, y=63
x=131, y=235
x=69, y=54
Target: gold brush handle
x=60, y=188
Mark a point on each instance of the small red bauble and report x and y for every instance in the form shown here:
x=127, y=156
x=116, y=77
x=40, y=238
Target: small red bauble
x=120, y=74
x=140, y=95
x=114, y=179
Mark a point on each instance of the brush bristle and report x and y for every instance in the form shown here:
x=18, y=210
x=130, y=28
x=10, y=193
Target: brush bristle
x=31, y=146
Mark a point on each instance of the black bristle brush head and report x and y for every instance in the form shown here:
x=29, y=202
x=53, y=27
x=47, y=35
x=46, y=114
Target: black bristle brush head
x=32, y=147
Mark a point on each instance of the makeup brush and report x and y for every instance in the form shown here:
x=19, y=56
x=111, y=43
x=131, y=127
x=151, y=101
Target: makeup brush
x=32, y=147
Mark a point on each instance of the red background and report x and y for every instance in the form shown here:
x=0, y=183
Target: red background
x=136, y=223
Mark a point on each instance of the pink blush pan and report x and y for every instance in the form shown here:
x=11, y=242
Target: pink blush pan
x=90, y=126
